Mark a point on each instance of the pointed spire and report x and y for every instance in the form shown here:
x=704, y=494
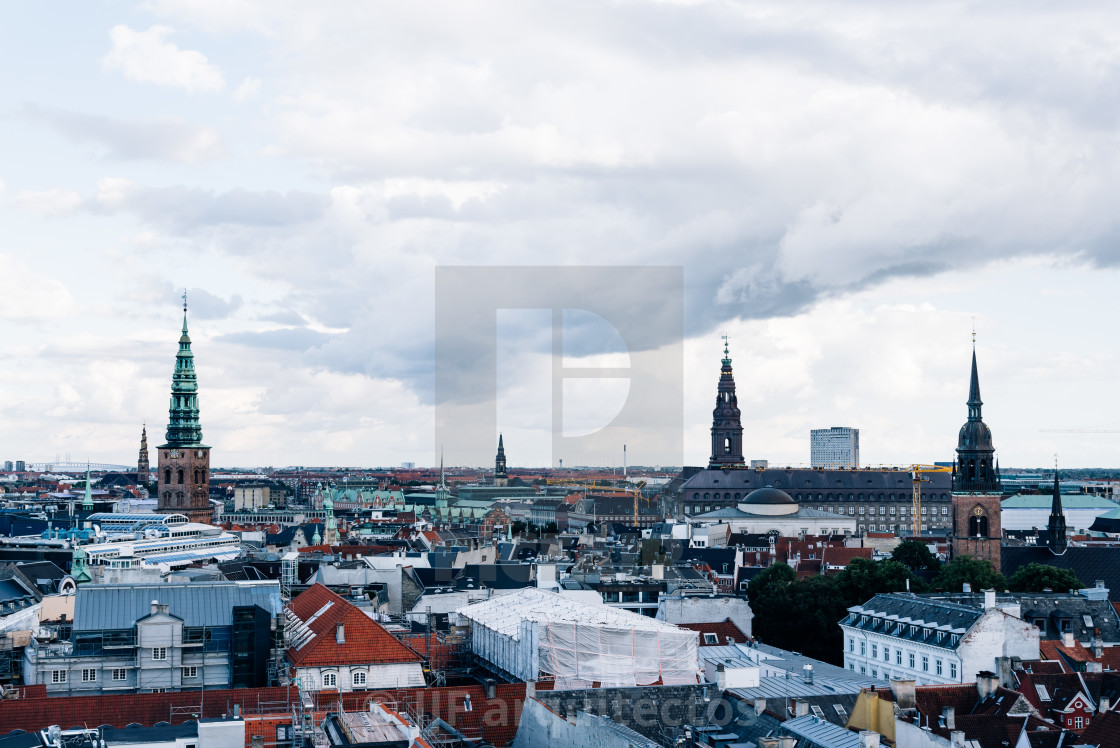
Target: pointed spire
x=1057, y=527
x=500, y=444
x=184, y=311
x=87, y=502
x=974, y=401
x=183, y=427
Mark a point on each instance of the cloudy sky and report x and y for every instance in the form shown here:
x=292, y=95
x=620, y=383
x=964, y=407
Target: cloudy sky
x=845, y=186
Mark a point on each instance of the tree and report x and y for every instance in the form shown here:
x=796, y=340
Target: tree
x=1038, y=577
x=518, y=527
x=979, y=574
x=915, y=556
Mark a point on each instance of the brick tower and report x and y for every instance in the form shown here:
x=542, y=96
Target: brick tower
x=184, y=461
x=977, y=530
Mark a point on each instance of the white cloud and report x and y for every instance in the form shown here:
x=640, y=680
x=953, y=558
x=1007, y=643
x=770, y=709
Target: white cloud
x=52, y=202
x=30, y=295
x=248, y=89
x=147, y=57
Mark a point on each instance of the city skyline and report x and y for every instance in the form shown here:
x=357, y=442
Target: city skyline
x=303, y=184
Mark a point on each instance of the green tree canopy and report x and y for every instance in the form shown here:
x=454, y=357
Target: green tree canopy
x=976, y=572
x=915, y=556
x=1038, y=577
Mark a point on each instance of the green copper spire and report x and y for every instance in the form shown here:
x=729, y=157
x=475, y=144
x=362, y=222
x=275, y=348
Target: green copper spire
x=87, y=502
x=183, y=427
x=79, y=569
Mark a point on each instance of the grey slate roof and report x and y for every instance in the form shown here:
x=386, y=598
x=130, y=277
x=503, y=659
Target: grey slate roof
x=1054, y=608
x=108, y=607
x=875, y=484
x=884, y=612
x=818, y=733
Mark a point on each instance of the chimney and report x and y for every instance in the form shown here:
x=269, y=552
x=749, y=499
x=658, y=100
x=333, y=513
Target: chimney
x=904, y=694
x=868, y=739
x=657, y=571
x=155, y=606
x=989, y=599
x=721, y=677
x=807, y=674
x=1093, y=667
x=339, y=634
x=967, y=588
x=768, y=743
x=956, y=739
x=1098, y=644
x=949, y=717
x=759, y=706
x=787, y=741
x=1103, y=704
x=986, y=684
x=1067, y=639
x=800, y=708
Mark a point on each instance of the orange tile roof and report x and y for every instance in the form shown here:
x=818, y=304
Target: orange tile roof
x=365, y=640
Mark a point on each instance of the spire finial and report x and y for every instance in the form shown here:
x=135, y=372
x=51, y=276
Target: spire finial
x=184, y=301
x=974, y=333
x=726, y=351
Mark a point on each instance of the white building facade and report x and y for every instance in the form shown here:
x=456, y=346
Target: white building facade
x=905, y=636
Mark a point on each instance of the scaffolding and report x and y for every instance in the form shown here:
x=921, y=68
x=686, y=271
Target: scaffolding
x=289, y=575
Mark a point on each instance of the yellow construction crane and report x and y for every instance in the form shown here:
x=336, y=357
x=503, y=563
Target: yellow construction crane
x=916, y=479
x=637, y=496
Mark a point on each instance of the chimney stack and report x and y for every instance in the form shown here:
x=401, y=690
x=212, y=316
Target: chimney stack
x=807, y=674
x=967, y=588
x=986, y=684
x=949, y=717
x=989, y=599
x=904, y=693
x=800, y=708
x=868, y=739
x=1067, y=639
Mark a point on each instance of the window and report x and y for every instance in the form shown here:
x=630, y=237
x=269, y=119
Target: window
x=862, y=670
x=886, y=654
x=953, y=670
x=330, y=680
x=874, y=673
x=911, y=660
x=89, y=675
x=58, y=676
x=862, y=649
x=862, y=509
x=925, y=663
x=159, y=653
x=119, y=673
x=1078, y=723
x=711, y=639
x=875, y=650
x=851, y=644
x=937, y=666
x=359, y=678
x=898, y=657
x=851, y=510
x=190, y=672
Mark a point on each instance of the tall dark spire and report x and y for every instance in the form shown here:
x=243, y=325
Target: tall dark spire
x=974, y=470
x=1057, y=526
x=501, y=478
x=183, y=426
x=727, y=426
x=142, y=465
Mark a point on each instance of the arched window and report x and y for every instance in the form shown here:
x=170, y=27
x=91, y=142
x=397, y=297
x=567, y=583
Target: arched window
x=727, y=445
x=978, y=526
x=167, y=475
x=179, y=498
x=180, y=475
x=196, y=476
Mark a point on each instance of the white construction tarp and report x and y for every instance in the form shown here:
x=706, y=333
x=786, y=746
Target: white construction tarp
x=532, y=632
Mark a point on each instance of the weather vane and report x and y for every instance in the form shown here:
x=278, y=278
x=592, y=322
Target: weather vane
x=184, y=301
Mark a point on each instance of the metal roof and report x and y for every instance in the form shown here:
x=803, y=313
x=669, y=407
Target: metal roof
x=119, y=606
x=779, y=687
x=821, y=733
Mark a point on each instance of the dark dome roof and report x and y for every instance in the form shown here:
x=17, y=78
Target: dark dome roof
x=768, y=495
x=975, y=435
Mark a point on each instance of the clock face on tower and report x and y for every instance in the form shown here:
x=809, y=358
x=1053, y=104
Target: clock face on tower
x=174, y=453
x=199, y=453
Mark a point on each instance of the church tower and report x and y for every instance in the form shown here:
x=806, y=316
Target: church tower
x=977, y=530
x=1058, y=541
x=501, y=477
x=184, y=461
x=727, y=426
x=142, y=469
